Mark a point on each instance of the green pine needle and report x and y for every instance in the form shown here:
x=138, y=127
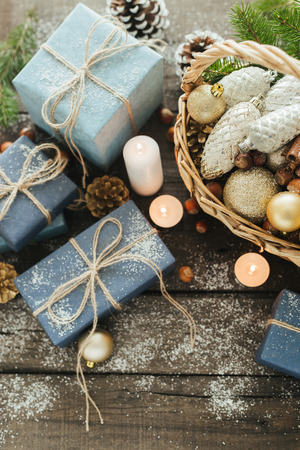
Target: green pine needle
x=286, y=25
x=251, y=24
x=9, y=107
x=221, y=68
x=15, y=53
x=267, y=6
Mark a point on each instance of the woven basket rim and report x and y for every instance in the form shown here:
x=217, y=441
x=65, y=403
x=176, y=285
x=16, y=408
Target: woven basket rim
x=270, y=57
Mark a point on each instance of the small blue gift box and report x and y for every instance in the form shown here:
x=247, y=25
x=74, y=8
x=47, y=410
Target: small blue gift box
x=123, y=280
x=280, y=348
x=24, y=220
x=56, y=228
x=103, y=125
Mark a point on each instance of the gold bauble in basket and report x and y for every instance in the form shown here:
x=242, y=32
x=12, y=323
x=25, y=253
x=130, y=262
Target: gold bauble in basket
x=262, y=55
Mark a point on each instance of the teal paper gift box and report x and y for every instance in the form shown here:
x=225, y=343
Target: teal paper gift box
x=103, y=125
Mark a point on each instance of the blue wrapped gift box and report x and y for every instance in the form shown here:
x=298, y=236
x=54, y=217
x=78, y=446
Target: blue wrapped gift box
x=24, y=220
x=124, y=280
x=280, y=348
x=56, y=228
x=103, y=125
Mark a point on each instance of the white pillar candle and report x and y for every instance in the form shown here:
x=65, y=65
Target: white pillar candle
x=166, y=211
x=143, y=164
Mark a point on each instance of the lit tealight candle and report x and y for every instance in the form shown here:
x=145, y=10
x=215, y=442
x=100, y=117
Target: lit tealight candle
x=166, y=211
x=143, y=164
x=252, y=269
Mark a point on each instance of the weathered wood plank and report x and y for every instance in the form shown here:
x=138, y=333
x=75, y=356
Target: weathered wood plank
x=150, y=337
x=147, y=412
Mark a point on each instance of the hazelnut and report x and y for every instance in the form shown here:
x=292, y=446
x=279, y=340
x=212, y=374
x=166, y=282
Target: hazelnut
x=258, y=158
x=165, y=115
x=269, y=228
x=202, y=226
x=191, y=206
x=29, y=132
x=186, y=274
x=215, y=188
x=5, y=146
x=243, y=161
x=170, y=134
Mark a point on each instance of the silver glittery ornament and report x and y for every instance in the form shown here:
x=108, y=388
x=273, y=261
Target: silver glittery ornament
x=276, y=160
x=244, y=84
x=221, y=147
x=272, y=131
x=284, y=93
x=248, y=193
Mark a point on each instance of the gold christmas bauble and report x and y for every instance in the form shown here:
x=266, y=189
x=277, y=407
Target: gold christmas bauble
x=206, y=104
x=284, y=211
x=98, y=348
x=247, y=193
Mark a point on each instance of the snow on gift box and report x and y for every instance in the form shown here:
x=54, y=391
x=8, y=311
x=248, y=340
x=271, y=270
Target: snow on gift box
x=33, y=191
x=123, y=280
x=119, y=88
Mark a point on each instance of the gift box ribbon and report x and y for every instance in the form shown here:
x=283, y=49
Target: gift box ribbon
x=91, y=277
x=50, y=170
x=283, y=325
x=111, y=46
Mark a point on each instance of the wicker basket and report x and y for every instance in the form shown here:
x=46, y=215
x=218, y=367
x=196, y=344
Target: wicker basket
x=264, y=55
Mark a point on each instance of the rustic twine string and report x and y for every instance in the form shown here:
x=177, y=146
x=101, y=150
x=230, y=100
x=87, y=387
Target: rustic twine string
x=50, y=170
x=282, y=325
x=111, y=46
x=91, y=276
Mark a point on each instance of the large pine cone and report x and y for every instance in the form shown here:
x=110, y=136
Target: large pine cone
x=141, y=18
x=196, y=42
x=8, y=290
x=105, y=194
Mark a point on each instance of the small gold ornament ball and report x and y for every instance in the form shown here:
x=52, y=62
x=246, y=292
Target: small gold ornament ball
x=206, y=103
x=284, y=211
x=98, y=349
x=248, y=193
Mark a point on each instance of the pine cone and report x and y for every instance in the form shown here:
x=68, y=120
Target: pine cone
x=197, y=134
x=8, y=290
x=141, y=18
x=197, y=42
x=105, y=194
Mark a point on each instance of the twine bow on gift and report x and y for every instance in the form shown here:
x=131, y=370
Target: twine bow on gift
x=91, y=276
x=115, y=42
x=47, y=172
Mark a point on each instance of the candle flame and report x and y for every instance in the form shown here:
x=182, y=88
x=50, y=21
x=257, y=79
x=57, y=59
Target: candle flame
x=140, y=148
x=252, y=269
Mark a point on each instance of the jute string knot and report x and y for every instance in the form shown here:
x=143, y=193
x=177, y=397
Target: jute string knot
x=114, y=43
x=91, y=277
x=47, y=172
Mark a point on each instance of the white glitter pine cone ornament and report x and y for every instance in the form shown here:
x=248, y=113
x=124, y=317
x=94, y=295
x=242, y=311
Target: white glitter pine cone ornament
x=196, y=42
x=272, y=131
x=221, y=147
x=142, y=18
x=284, y=93
x=244, y=84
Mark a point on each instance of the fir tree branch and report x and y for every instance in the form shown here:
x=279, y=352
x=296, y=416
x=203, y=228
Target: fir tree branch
x=9, y=106
x=14, y=55
x=251, y=24
x=221, y=68
x=267, y=6
x=18, y=48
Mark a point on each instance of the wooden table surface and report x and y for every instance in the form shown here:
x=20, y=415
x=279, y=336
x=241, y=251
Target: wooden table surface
x=153, y=392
